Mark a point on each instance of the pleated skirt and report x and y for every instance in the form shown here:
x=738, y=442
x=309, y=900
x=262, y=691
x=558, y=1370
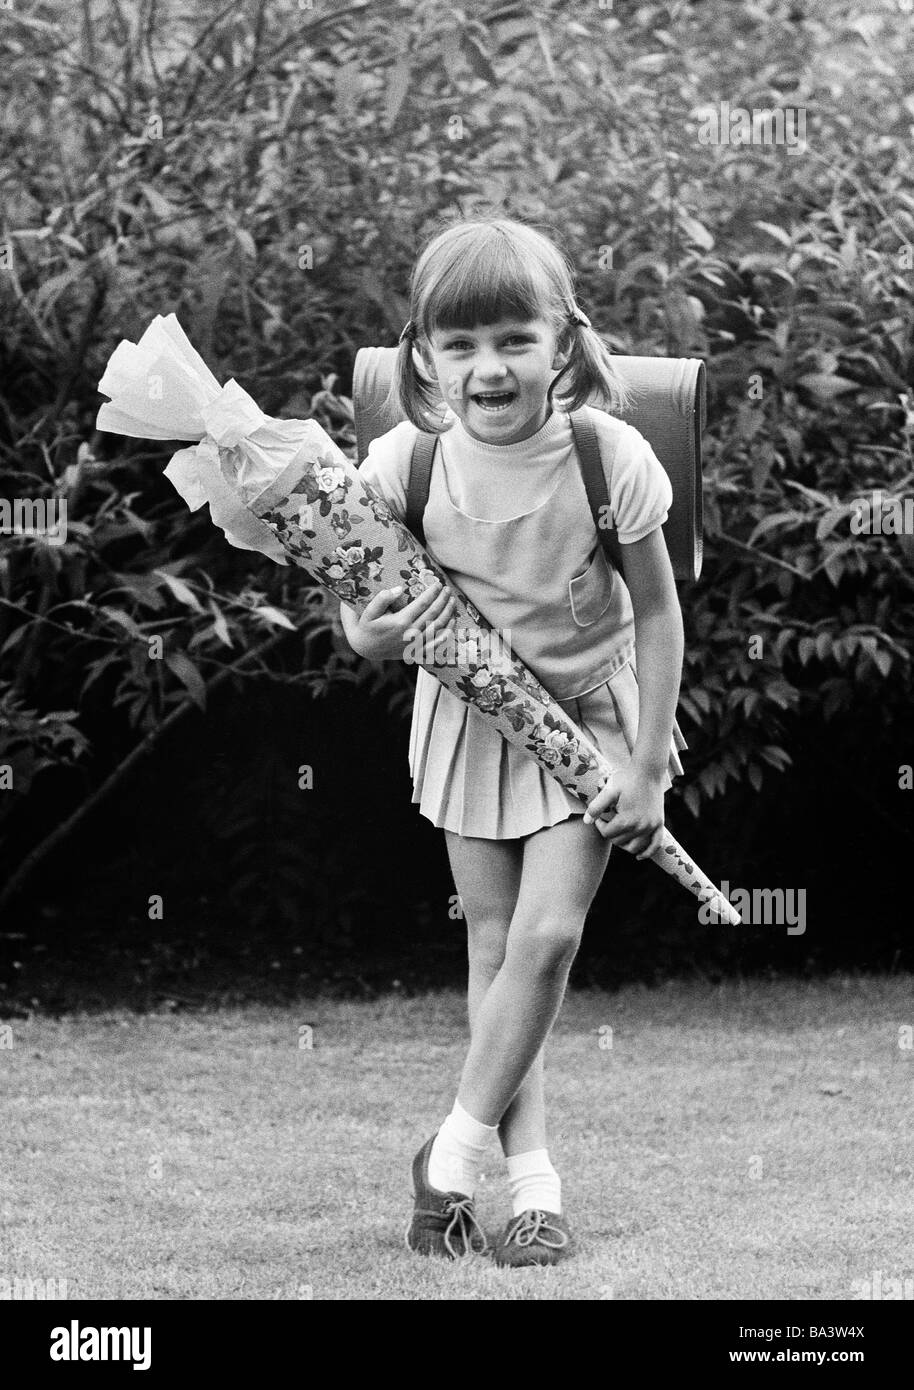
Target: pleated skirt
x=467, y=778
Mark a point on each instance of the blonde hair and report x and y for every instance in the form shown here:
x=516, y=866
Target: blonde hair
x=479, y=271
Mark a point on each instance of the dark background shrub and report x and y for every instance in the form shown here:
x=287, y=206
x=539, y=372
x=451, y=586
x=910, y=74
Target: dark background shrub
x=267, y=172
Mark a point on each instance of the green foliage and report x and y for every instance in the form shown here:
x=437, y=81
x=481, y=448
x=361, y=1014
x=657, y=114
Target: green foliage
x=268, y=171
x=31, y=742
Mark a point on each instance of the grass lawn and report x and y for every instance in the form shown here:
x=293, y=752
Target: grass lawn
x=752, y=1140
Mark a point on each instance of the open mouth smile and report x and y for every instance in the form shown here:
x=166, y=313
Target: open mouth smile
x=494, y=402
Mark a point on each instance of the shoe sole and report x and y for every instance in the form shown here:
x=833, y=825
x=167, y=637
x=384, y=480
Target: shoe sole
x=533, y=1264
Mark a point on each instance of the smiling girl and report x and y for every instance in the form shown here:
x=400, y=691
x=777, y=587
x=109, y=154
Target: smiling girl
x=494, y=330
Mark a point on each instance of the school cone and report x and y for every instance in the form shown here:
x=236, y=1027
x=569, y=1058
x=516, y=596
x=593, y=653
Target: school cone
x=284, y=489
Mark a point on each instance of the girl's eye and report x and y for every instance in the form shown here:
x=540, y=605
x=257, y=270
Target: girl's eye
x=461, y=344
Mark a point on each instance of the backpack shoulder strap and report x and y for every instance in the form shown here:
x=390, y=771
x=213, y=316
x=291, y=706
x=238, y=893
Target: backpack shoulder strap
x=594, y=469
x=420, y=477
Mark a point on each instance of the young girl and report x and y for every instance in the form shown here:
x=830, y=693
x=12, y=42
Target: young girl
x=494, y=329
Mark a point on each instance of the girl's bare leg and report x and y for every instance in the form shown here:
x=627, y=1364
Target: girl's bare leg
x=562, y=866
x=487, y=876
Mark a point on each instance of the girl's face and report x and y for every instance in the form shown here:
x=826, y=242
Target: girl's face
x=495, y=378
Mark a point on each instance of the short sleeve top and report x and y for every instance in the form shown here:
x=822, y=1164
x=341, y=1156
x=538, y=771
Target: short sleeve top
x=512, y=526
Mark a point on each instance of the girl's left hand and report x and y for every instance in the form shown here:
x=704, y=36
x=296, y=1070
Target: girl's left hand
x=628, y=811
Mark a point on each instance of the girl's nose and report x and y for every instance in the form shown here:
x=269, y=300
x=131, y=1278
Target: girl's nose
x=488, y=365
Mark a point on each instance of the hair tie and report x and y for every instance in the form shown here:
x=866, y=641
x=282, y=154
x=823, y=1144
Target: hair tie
x=409, y=331
x=578, y=316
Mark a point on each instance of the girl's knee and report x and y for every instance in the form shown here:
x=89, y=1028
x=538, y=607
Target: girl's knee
x=547, y=945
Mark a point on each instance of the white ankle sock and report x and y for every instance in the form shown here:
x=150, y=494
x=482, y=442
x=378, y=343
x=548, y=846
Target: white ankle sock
x=534, y=1182
x=453, y=1164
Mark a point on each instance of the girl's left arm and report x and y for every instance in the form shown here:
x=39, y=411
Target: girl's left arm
x=636, y=792
x=658, y=647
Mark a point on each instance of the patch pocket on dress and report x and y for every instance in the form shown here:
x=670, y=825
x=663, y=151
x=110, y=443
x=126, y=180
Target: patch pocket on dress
x=591, y=592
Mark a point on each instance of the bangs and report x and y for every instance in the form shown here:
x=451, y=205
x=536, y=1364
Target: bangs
x=486, y=279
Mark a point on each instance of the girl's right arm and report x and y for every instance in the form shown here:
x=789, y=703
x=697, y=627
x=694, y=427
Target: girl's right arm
x=384, y=628
x=381, y=635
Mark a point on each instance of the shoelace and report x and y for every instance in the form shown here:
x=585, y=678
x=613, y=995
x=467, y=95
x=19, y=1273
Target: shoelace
x=462, y=1218
x=530, y=1227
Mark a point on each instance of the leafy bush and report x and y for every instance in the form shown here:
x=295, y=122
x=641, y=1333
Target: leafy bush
x=268, y=172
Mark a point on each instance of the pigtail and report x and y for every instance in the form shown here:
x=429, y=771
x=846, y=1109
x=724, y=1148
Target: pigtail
x=590, y=375
x=412, y=391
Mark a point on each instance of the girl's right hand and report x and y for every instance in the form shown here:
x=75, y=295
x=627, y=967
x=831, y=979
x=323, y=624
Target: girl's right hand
x=382, y=635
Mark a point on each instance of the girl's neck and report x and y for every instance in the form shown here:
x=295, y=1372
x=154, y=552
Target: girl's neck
x=553, y=424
